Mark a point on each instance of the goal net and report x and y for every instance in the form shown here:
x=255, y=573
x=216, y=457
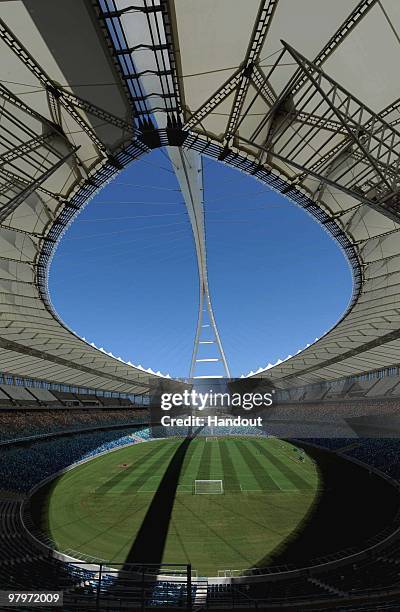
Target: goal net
x=208, y=487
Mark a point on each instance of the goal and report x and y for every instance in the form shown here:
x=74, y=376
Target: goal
x=210, y=487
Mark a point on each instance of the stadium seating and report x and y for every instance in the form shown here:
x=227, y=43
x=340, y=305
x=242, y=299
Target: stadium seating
x=31, y=396
x=24, y=564
x=87, y=399
x=19, y=395
x=22, y=423
x=109, y=401
x=314, y=395
x=5, y=400
x=371, y=387
x=370, y=417
x=67, y=399
x=381, y=453
x=385, y=387
x=21, y=470
x=44, y=396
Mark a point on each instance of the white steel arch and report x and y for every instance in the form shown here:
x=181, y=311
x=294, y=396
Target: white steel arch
x=188, y=168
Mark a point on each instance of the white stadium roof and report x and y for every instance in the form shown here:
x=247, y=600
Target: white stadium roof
x=302, y=95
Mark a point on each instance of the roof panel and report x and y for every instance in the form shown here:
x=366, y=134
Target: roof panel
x=306, y=25
x=212, y=44
x=208, y=42
x=373, y=48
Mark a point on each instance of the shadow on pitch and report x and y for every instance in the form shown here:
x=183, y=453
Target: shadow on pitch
x=143, y=563
x=353, y=506
x=151, y=538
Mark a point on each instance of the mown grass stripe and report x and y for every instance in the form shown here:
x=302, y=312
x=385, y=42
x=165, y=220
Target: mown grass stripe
x=303, y=469
x=124, y=473
x=154, y=468
x=298, y=482
x=230, y=478
x=191, y=463
x=216, y=472
x=247, y=480
x=213, y=532
x=144, y=465
x=283, y=482
x=262, y=477
x=203, y=472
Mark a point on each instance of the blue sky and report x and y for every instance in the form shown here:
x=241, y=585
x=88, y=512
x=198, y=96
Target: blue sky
x=125, y=276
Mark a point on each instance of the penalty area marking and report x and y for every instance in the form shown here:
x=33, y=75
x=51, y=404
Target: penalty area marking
x=282, y=490
x=181, y=488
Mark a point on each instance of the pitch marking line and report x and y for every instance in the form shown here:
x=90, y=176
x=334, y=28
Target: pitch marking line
x=286, y=490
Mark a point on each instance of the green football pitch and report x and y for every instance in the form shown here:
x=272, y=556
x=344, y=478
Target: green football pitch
x=269, y=490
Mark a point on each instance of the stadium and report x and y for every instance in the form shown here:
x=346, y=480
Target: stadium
x=118, y=491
